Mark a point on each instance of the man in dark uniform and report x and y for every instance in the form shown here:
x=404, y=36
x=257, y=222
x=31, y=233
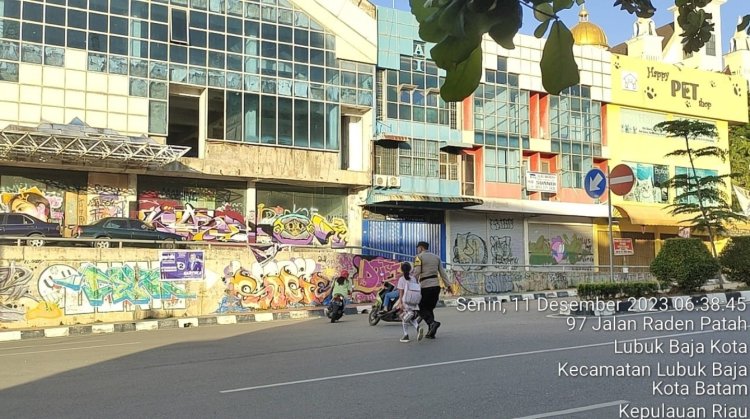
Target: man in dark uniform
x=427, y=267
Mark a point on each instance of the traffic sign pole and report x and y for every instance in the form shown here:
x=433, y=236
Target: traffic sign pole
x=611, y=239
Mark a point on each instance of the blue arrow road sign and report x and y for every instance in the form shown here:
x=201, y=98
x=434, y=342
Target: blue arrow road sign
x=595, y=183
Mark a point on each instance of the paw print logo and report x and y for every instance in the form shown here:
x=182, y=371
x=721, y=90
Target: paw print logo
x=617, y=65
x=737, y=90
x=650, y=93
x=687, y=104
x=713, y=83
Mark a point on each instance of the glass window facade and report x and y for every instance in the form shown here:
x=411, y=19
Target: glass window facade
x=576, y=133
x=266, y=53
x=412, y=93
x=501, y=123
x=693, y=180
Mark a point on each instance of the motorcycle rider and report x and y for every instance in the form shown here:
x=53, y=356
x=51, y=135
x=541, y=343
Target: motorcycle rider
x=341, y=287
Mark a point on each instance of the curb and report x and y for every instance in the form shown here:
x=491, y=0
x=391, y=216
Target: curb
x=225, y=319
x=662, y=304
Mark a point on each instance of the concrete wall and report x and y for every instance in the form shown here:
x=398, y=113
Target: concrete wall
x=243, y=160
x=54, y=286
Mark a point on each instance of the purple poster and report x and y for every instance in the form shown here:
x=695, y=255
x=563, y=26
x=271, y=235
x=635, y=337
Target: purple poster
x=184, y=265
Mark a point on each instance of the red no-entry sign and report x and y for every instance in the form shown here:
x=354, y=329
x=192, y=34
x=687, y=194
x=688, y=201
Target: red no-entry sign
x=621, y=179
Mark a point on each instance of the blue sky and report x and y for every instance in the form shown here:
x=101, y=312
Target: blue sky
x=619, y=24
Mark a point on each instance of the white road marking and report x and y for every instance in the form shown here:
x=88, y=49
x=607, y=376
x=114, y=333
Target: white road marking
x=44, y=345
x=457, y=361
x=575, y=410
x=70, y=349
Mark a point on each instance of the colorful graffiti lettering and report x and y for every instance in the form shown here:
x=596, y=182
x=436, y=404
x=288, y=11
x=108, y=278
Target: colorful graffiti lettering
x=222, y=224
x=370, y=275
x=300, y=227
x=107, y=202
x=274, y=285
x=14, y=289
x=118, y=287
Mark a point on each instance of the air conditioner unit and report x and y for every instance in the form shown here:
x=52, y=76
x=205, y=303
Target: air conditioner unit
x=380, y=181
x=394, y=182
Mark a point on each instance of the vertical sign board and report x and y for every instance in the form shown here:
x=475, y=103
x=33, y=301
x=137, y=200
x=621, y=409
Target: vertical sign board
x=623, y=247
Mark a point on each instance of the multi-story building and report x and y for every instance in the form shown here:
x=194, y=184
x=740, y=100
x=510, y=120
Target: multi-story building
x=220, y=120
x=321, y=122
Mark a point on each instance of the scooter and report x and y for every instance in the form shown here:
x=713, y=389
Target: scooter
x=392, y=315
x=336, y=308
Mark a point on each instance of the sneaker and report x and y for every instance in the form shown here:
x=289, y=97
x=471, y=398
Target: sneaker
x=405, y=339
x=420, y=333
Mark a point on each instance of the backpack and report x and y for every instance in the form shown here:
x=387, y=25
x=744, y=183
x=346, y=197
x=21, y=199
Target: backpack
x=412, y=292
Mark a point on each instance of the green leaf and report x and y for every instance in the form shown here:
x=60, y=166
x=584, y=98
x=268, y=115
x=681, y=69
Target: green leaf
x=558, y=5
x=541, y=29
x=464, y=79
x=543, y=12
x=744, y=24
x=453, y=50
x=429, y=29
x=559, y=68
x=510, y=19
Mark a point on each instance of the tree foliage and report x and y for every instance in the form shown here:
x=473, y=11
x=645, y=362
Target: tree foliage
x=457, y=27
x=704, y=198
x=685, y=262
x=739, y=153
x=734, y=259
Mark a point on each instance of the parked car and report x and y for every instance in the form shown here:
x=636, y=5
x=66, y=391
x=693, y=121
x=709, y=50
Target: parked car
x=125, y=229
x=23, y=225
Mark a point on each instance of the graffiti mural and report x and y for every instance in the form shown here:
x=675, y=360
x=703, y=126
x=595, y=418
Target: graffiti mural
x=480, y=241
x=107, y=201
x=299, y=282
x=105, y=288
x=300, y=226
x=225, y=223
x=14, y=289
x=32, y=201
x=559, y=244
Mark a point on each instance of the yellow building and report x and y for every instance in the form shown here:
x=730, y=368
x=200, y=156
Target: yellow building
x=645, y=93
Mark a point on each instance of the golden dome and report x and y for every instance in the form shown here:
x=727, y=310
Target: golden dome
x=587, y=33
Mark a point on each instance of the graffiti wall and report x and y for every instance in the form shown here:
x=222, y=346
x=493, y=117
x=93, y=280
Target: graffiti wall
x=302, y=218
x=200, y=212
x=108, y=196
x=45, y=194
x=561, y=244
x=278, y=283
x=486, y=239
x=68, y=285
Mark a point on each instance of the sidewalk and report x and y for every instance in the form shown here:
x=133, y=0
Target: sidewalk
x=223, y=319
x=319, y=312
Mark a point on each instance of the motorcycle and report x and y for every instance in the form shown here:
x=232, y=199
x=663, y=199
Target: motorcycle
x=336, y=308
x=375, y=313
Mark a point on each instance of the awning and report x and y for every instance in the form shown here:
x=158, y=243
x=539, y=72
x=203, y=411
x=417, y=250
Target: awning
x=422, y=201
x=542, y=207
x=391, y=137
x=651, y=216
x=82, y=144
x=457, y=145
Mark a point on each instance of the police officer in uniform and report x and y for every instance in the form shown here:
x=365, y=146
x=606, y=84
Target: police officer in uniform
x=427, y=267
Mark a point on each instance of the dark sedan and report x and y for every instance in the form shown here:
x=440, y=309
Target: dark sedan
x=124, y=229
x=23, y=225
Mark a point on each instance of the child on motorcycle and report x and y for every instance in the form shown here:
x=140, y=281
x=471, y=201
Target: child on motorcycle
x=409, y=295
x=342, y=291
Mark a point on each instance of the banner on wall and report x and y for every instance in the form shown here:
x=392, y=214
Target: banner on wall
x=181, y=265
x=541, y=182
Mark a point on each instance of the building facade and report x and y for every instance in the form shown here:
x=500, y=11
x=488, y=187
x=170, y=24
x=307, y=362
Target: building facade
x=320, y=122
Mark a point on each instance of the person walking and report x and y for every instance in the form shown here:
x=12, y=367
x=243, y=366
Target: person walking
x=427, y=267
x=409, y=296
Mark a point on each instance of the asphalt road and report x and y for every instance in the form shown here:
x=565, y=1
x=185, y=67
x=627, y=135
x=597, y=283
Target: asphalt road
x=483, y=364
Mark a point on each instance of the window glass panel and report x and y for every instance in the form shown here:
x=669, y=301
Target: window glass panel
x=178, y=26
x=317, y=125
x=234, y=116
x=333, y=127
x=252, y=118
x=268, y=120
x=301, y=123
